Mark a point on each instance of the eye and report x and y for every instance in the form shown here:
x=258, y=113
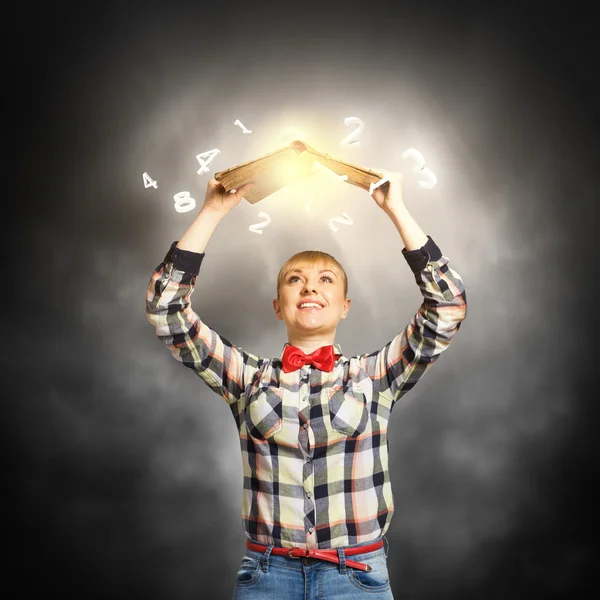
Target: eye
x=322, y=277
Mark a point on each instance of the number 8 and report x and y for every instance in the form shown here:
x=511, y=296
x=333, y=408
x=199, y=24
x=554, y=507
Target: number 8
x=183, y=202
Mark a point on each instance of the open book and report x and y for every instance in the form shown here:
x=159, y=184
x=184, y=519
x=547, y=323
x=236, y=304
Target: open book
x=282, y=167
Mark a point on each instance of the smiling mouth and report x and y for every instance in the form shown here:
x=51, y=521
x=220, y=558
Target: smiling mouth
x=313, y=307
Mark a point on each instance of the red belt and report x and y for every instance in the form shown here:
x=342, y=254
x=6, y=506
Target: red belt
x=328, y=555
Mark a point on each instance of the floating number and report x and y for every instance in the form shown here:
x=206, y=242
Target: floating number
x=350, y=139
x=416, y=155
x=427, y=179
x=346, y=221
x=430, y=179
x=256, y=227
x=375, y=185
x=183, y=202
x=238, y=122
x=148, y=181
x=212, y=154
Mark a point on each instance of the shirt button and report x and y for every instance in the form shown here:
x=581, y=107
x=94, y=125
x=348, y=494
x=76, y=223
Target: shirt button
x=305, y=425
x=311, y=529
x=309, y=494
x=308, y=459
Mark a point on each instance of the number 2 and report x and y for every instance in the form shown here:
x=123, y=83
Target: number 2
x=350, y=139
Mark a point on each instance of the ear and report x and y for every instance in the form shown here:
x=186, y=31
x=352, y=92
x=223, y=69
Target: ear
x=277, y=309
x=347, y=303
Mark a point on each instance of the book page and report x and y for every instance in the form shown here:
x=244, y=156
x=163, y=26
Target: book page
x=269, y=173
x=361, y=177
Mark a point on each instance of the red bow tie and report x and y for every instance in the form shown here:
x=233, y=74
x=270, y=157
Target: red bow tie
x=293, y=358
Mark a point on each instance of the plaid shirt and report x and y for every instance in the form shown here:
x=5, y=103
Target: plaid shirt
x=314, y=444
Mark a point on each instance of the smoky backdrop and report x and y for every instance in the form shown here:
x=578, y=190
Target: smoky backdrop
x=123, y=468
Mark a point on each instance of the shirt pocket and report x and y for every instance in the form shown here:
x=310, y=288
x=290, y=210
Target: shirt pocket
x=265, y=412
x=347, y=409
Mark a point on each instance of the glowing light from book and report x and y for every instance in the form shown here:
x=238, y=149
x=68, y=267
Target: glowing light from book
x=256, y=228
x=289, y=135
x=184, y=202
x=317, y=167
x=427, y=178
x=211, y=154
x=375, y=185
x=148, y=181
x=238, y=122
x=352, y=138
x=311, y=199
x=290, y=171
x=345, y=221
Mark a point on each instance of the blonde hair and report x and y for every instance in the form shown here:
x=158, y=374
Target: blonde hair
x=311, y=257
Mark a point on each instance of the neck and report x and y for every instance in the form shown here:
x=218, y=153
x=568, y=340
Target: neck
x=308, y=344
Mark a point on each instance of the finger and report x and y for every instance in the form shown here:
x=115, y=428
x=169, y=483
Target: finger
x=215, y=185
x=382, y=188
x=378, y=195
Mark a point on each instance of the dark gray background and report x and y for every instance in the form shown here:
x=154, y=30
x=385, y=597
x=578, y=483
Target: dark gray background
x=124, y=473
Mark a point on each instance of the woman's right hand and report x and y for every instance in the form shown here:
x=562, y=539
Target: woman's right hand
x=221, y=201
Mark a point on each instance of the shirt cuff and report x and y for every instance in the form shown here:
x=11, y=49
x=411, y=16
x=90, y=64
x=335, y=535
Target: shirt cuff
x=184, y=260
x=417, y=259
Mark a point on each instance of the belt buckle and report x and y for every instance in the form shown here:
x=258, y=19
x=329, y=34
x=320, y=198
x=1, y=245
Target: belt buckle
x=290, y=553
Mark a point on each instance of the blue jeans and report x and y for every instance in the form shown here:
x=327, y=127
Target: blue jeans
x=266, y=577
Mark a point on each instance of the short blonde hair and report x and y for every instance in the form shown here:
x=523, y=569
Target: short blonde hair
x=311, y=257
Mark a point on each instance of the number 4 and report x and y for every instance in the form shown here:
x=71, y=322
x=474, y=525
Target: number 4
x=212, y=154
x=148, y=181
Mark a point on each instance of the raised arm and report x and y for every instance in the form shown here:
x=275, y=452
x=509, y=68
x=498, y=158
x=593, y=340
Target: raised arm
x=217, y=205
x=403, y=361
x=222, y=366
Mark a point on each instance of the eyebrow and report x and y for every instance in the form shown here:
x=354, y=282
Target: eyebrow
x=301, y=271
